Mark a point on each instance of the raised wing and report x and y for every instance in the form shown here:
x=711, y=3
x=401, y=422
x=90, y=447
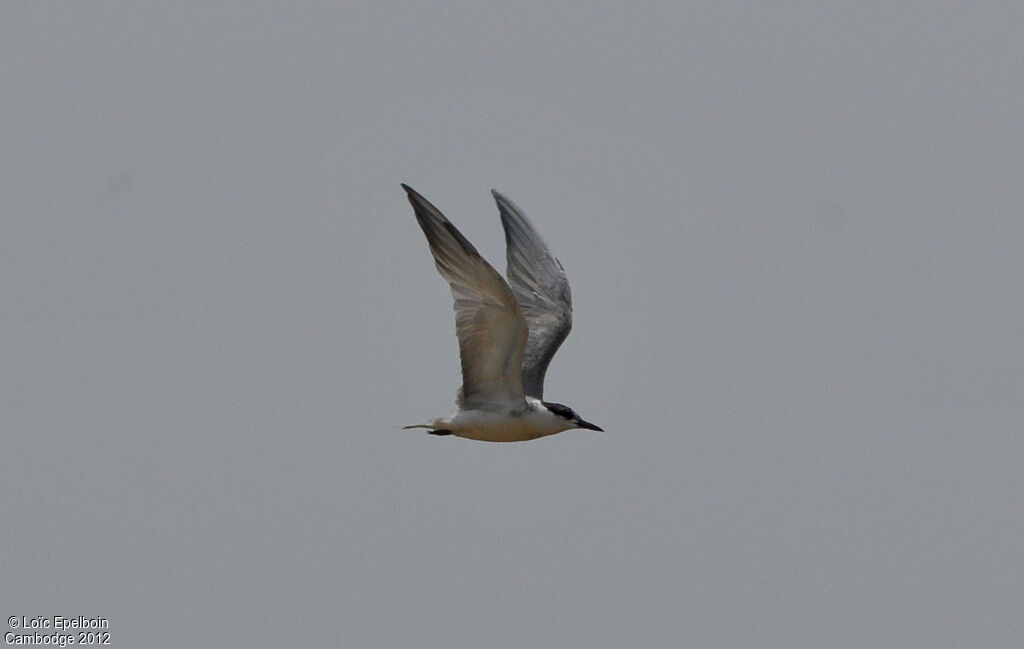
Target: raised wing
x=542, y=289
x=488, y=322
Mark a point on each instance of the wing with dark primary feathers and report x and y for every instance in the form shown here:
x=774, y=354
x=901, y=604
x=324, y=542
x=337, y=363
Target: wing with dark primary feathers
x=490, y=326
x=542, y=289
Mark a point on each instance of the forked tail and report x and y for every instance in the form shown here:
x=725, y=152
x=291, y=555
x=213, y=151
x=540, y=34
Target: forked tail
x=431, y=428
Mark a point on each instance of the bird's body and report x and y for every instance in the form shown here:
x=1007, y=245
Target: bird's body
x=508, y=331
x=500, y=425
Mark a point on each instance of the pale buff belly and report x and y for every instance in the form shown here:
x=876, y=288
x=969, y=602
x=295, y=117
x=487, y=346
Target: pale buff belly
x=493, y=427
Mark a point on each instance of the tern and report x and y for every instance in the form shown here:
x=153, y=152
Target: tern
x=508, y=331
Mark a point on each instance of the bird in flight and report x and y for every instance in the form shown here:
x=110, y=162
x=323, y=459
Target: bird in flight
x=508, y=331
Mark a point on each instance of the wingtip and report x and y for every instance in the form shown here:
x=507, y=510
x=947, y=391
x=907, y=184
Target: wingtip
x=414, y=196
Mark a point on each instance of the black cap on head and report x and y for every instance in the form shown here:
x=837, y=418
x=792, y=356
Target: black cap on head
x=565, y=412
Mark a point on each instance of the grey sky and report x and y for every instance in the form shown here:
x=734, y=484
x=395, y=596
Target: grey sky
x=794, y=238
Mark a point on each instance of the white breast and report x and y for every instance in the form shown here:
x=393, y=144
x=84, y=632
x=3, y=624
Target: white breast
x=488, y=426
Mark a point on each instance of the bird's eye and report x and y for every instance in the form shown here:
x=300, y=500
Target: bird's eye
x=562, y=411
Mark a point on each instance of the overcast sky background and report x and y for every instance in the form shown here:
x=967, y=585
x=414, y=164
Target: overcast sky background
x=794, y=236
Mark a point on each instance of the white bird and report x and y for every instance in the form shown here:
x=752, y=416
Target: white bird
x=508, y=332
